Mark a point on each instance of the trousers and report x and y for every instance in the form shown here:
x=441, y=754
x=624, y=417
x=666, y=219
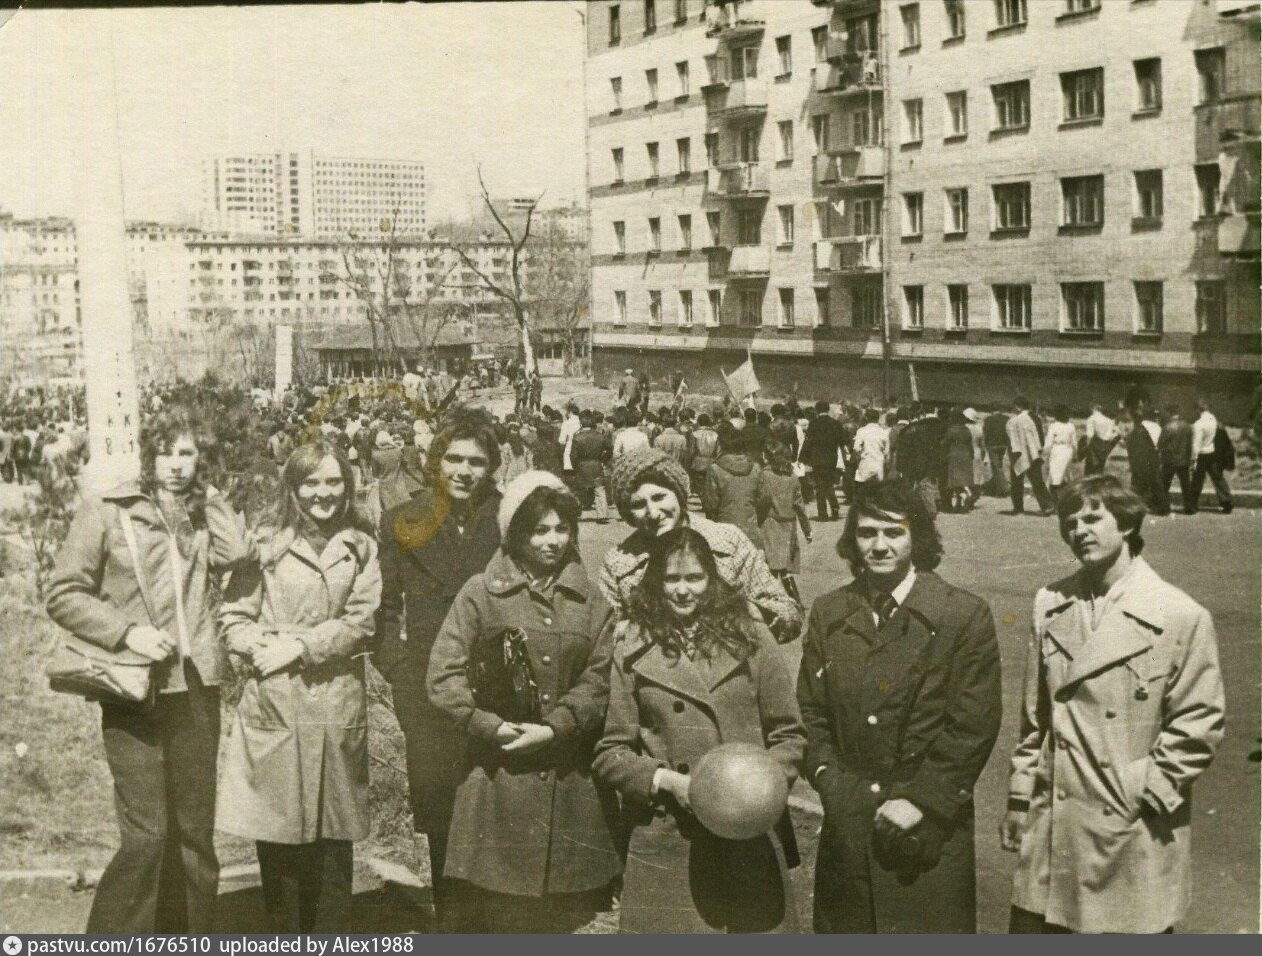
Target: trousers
x=307, y=886
x=1037, y=485
x=1208, y=465
x=825, y=492
x=164, y=877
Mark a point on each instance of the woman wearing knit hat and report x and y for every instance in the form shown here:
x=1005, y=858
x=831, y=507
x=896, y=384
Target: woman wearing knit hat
x=651, y=492
x=529, y=832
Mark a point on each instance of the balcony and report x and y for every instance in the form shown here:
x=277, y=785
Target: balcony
x=859, y=166
x=742, y=181
x=717, y=73
x=1222, y=122
x=749, y=262
x=848, y=254
x=731, y=20
x=1238, y=236
x=740, y=99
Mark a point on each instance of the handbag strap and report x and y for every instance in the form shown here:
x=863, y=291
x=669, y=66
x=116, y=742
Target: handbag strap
x=129, y=534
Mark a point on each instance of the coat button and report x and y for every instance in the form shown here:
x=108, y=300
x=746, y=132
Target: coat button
x=1104, y=764
x=875, y=788
x=1108, y=811
x=1063, y=743
x=1110, y=714
x=547, y=620
x=1061, y=795
x=547, y=659
x=543, y=775
x=679, y=706
x=681, y=767
x=545, y=697
x=872, y=719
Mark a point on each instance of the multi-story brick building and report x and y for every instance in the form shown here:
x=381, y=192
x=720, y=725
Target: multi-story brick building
x=1006, y=196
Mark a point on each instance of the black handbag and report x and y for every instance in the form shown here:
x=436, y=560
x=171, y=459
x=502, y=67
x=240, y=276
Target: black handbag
x=502, y=677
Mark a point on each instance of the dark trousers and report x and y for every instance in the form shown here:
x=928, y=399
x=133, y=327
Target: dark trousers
x=1183, y=473
x=164, y=877
x=1146, y=482
x=1037, y=485
x=998, y=474
x=1097, y=455
x=1208, y=465
x=1022, y=922
x=307, y=886
x=825, y=492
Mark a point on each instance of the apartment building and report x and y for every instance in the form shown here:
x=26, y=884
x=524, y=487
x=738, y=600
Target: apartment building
x=855, y=189
x=40, y=338
x=300, y=193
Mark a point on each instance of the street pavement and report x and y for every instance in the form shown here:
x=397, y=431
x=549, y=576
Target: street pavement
x=1005, y=559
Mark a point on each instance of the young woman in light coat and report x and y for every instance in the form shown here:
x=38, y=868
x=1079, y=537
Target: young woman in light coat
x=295, y=775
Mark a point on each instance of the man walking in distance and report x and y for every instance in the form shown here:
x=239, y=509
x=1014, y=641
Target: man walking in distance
x=1026, y=451
x=995, y=434
x=1122, y=711
x=1174, y=451
x=1205, y=461
x=1102, y=435
x=819, y=452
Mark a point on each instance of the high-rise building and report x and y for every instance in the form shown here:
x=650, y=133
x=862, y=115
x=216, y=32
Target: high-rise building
x=304, y=194
x=952, y=199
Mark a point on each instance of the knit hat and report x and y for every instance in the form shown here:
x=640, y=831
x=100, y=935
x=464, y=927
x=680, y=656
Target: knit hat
x=632, y=468
x=519, y=489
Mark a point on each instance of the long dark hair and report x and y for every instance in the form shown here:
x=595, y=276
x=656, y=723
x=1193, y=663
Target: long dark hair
x=304, y=460
x=890, y=499
x=158, y=435
x=534, y=507
x=723, y=618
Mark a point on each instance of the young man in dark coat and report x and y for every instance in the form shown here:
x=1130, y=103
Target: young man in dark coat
x=819, y=451
x=430, y=546
x=900, y=693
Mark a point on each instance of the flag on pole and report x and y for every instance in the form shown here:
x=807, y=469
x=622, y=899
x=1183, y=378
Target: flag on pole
x=743, y=383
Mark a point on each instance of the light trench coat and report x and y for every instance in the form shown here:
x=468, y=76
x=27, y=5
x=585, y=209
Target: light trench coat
x=296, y=766
x=1114, y=719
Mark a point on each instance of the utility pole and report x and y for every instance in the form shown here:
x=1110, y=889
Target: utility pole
x=887, y=374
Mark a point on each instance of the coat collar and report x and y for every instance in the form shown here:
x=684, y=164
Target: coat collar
x=288, y=541
x=681, y=675
x=503, y=577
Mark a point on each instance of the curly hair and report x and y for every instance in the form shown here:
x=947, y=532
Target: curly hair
x=889, y=499
x=462, y=423
x=159, y=434
x=723, y=618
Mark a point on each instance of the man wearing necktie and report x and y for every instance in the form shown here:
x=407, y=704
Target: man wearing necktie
x=900, y=693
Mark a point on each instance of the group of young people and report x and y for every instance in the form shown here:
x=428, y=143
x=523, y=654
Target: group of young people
x=538, y=795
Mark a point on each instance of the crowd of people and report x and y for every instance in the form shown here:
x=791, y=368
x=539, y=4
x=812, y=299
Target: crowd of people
x=553, y=711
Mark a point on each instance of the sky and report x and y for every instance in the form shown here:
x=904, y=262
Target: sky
x=454, y=85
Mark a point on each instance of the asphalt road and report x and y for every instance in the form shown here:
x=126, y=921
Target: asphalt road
x=1005, y=559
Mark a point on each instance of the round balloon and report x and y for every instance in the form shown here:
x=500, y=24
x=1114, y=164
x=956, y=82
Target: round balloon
x=738, y=791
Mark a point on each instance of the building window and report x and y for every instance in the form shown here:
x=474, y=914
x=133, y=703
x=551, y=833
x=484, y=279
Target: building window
x=1012, y=104
x=1082, y=201
x=821, y=306
x=866, y=306
x=1083, y=94
x=1009, y=13
x=655, y=234
x=955, y=19
x=786, y=309
x=819, y=132
x=1083, y=306
x=681, y=74
x=615, y=88
x=713, y=226
x=650, y=80
x=749, y=227
x=956, y=211
x=1208, y=177
x=1148, y=85
x=1012, y=307
x=911, y=25
x=913, y=120
x=1211, y=308
x=655, y=307
x=957, y=114
x=618, y=169
x=913, y=307
x=1012, y=206
x=650, y=16
x=786, y=225
x=745, y=63
x=957, y=307
x=615, y=25
x=1148, y=194
x=681, y=11
x=1081, y=6
x=620, y=238
x=913, y=214
x=867, y=217
x=1211, y=68
x=867, y=123
x=712, y=150
x=620, y=308
x=685, y=307
x=714, y=307
x=683, y=147
x=751, y=307
x=819, y=43
x=651, y=150
x=785, y=127
x=784, y=52
x=748, y=139
x=1148, y=308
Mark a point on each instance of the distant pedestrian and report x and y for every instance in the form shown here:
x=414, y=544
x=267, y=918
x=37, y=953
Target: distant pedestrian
x=1060, y=446
x=1208, y=447
x=819, y=452
x=1102, y=436
x=958, y=448
x=781, y=510
x=1026, y=451
x=1174, y=450
x=871, y=446
x=995, y=433
x=1145, y=465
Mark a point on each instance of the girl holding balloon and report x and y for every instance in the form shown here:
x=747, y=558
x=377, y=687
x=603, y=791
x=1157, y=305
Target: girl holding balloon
x=691, y=672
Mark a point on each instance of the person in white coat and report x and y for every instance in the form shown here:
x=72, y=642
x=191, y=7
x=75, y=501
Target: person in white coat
x=1026, y=454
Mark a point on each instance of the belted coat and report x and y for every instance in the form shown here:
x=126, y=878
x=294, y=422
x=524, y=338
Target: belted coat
x=669, y=712
x=530, y=824
x=296, y=765
x=910, y=711
x=1114, y=719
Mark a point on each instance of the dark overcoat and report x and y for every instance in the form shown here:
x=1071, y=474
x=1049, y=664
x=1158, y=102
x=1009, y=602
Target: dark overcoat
x=669, y=712
x=531, y=824
x=425, y=561
x=909, y=712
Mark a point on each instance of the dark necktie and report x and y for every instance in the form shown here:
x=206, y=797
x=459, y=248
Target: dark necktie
x=885, y=606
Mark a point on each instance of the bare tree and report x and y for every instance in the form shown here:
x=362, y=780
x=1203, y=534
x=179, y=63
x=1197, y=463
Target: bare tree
x=558, y=287
x=513, y=292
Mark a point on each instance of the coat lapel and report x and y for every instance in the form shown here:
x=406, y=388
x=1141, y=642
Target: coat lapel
x=1128, y=629
x=679, y=675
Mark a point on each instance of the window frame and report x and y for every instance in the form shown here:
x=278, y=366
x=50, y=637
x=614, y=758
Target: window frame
x=1080, y=197
x=870, y=217
x=651, y=84
x=684, y=224
x=999, y=203
x=683, y=155
x=714, y=308
x=913, y=121
x=913, y=311
x=1074, y=296
x=957, y=20
x=785, y=142
x=956, y=119
x=653, y=154
x=655, y=234
x=1082, y=90
x=1140, y=287
x=655, y=307
x=787, y=315
x=615, y=24
x=784, y=55
x=1143, y=82
x=683, y=76
x=620, y=306
x=1012, y=98
x=1207, y=322
x=1140, y=192
x=786, y=226
x=1003, y=296
x=957, y=307
x=751, y=308
x=955, y=216
x=618, y=156
x=913, y=215
x=910, y=16
x=620, y=237
x=1004, y=10
x=685, y=308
